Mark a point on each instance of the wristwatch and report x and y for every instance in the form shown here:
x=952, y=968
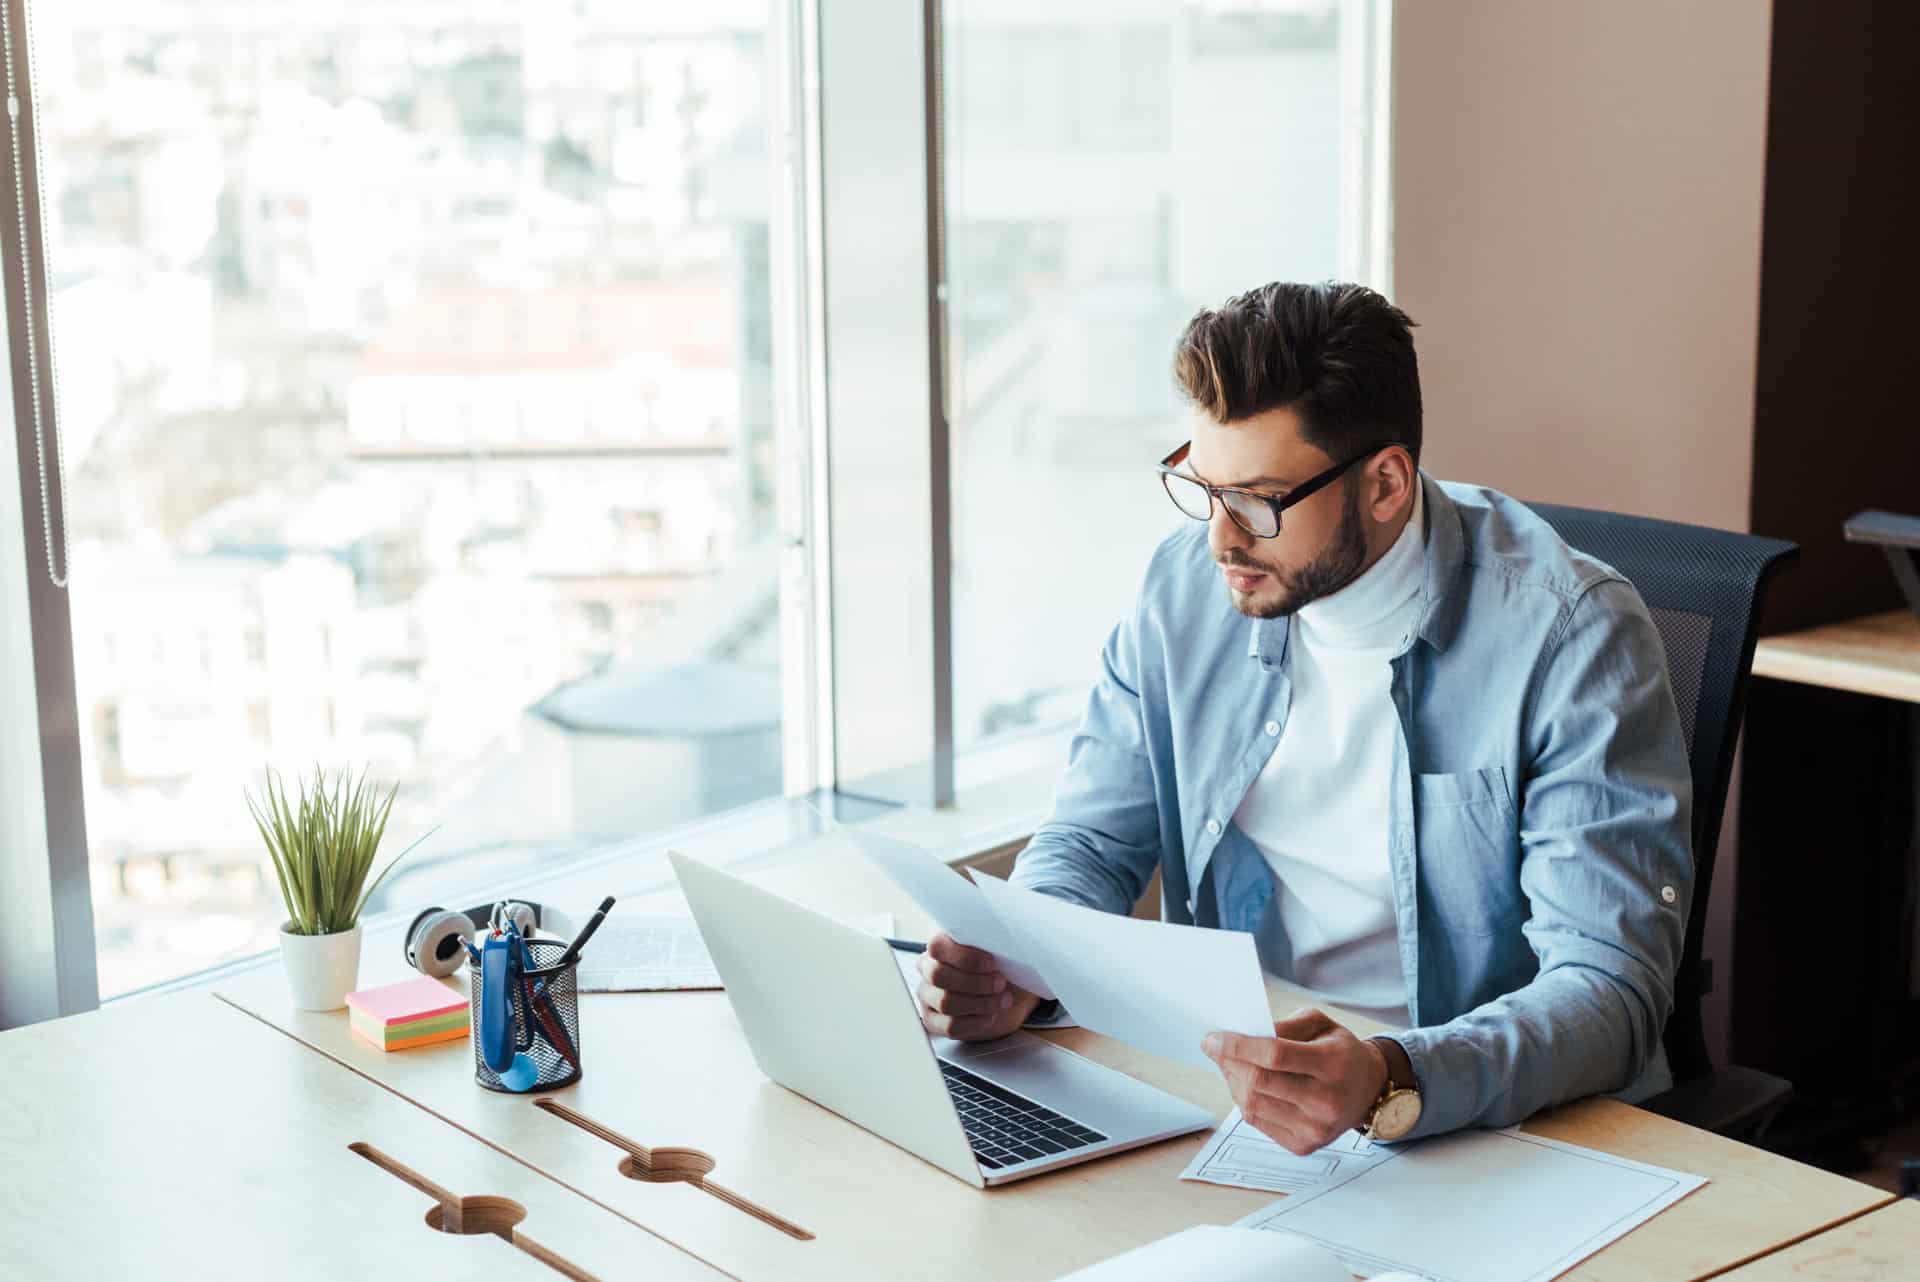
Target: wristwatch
x=1396, y=1112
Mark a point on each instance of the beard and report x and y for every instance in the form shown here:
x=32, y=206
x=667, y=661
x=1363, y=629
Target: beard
x=1335, y=566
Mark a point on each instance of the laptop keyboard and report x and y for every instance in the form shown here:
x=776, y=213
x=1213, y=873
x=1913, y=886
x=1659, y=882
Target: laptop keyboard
x=1007, y=1129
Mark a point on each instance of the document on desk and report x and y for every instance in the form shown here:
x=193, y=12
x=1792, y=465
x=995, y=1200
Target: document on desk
x=1478, y=1206
x=663, y=953
x=1150, y=984
x=1212, y=1253
x=952, y=901
x=1240, y=1157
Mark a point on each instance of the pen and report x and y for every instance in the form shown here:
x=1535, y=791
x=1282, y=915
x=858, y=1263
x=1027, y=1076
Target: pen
x=907, y=946
x=580, y=940
x=550, y=1023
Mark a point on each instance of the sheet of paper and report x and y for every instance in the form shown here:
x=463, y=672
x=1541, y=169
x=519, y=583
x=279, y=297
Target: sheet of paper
x=1213, y=1253
x=657, y=954
x=1479, y=1206
x=952, y=901
x=1240, y=1157
x=1148, y=983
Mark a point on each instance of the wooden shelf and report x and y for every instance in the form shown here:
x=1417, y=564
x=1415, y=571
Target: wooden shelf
x=1877, y=655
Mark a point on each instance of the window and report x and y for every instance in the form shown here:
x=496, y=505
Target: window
x=422, y=411
x=1109, y=171
x=416, y=400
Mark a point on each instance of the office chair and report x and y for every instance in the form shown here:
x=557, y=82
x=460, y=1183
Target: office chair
x=1703, y=588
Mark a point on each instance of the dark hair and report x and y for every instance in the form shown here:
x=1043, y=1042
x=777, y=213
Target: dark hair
x=1340, y=355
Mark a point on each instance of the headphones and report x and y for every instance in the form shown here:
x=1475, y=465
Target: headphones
x=434, y=940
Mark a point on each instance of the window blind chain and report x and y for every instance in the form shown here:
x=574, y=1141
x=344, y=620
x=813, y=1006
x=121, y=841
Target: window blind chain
x=44, y=424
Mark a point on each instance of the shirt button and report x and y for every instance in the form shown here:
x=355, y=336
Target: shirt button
x=1213, y=826
x=1273, y=728
x=1668, y=894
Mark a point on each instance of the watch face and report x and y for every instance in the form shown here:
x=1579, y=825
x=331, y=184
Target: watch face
x=1397, y=1115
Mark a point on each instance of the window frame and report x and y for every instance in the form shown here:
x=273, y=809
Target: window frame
x=48, y=966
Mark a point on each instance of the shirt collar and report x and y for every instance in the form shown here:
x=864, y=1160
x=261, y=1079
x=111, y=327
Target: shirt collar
x=1439, y=614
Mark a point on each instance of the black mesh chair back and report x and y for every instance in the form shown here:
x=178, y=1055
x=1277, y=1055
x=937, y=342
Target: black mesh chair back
x=1703, y=588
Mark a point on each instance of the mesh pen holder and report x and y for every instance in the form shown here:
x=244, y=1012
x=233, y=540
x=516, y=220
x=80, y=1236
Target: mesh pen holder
x=536, y=1020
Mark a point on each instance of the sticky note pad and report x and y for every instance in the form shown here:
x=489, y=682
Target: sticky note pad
x=413, y=1013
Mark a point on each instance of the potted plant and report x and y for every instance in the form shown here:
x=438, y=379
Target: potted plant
x=323, y=845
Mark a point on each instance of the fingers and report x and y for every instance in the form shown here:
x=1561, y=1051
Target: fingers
x=963, y=1027
x=1247, y=1082
x=943, y=1001
x=962, y=993
x=1313, y=1097
x=1286, y=1126
x=1304, y=1025
x=942, y=948
x=1290, y=1087
x=1275, y=1054
x=950, y=977
x=1301, y=1114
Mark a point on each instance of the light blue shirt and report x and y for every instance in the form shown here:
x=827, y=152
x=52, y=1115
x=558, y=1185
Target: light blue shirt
x=1538, y=816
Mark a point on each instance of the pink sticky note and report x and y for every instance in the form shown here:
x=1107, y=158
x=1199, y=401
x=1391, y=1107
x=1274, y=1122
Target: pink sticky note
x=411, y=999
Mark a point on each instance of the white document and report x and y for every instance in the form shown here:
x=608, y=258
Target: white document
x=1240, y=1157
x=952, y=901
x=1148, y=983
x=1479, y=1206
x=1211, y=1253
x=658, y=954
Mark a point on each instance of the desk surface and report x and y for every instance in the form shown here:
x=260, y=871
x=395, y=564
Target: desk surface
x=673, y=1069
x=1880, y=1244
x=1877, y=655
x=179, y=1138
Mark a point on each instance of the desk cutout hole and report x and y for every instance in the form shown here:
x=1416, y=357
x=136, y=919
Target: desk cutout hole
x=668, y=1166
x=473, y=1216
x=476, y=1215
x=671, y=1166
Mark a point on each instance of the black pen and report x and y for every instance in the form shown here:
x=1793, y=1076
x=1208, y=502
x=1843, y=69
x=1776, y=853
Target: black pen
x=907, y=946
x=586, y=932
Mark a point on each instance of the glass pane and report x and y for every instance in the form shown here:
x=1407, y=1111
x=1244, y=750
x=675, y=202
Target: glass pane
x=415, y=371
x=1254, y=515
x=1188, y=495
x=1111, y=169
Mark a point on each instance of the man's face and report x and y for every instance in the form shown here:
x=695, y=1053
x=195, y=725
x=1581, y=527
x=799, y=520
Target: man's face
x=1323, y=543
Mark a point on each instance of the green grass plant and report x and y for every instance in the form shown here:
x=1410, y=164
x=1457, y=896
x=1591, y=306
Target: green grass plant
x=323, y=844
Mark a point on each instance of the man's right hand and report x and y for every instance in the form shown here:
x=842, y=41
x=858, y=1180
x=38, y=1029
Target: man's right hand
x=963, y=995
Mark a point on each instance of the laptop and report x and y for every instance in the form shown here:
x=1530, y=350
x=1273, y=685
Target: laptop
x=829, y=1015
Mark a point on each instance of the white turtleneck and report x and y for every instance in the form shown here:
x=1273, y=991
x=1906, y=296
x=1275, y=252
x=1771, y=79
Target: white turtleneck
x=1318, y=810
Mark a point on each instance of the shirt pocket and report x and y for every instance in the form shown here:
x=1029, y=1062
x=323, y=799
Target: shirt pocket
x=1467, y=836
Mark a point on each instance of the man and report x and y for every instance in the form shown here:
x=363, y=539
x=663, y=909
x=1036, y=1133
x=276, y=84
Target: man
x=1440, y=775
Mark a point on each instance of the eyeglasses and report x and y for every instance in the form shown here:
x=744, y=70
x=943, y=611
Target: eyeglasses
x=1253, y=511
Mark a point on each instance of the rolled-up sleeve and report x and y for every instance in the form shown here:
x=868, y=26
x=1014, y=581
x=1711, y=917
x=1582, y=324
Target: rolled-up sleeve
x=1607, y=870
x=1101, y=844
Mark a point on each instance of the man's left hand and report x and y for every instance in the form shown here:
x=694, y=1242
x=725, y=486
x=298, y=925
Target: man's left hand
x=1304, y=1085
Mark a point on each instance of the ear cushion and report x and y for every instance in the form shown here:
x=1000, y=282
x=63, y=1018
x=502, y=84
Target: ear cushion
x=433, y=941
x=523, y=916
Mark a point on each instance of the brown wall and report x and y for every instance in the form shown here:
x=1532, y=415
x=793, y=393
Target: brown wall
x=1577, y=216
x=1577, y=201
x=1835, y=425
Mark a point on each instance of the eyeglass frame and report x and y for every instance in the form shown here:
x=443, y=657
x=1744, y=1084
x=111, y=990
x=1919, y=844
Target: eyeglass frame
x=1276, y=503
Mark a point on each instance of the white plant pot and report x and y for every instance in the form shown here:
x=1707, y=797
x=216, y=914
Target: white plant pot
x=321, y=969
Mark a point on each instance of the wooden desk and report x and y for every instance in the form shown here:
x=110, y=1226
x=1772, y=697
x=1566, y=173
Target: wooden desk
x=1877, y=655
x=178, y=1138
x=1880, y=1244
x=674, y=1069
